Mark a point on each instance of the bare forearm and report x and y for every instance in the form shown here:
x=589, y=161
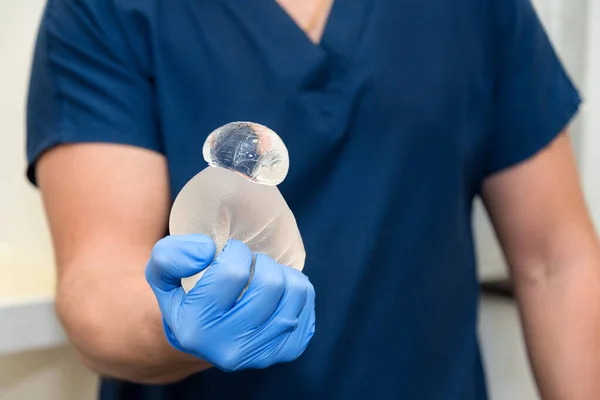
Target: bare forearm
x=116, y=326
x=561, y=312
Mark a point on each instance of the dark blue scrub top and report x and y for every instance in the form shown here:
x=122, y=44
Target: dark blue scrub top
x=392, y=123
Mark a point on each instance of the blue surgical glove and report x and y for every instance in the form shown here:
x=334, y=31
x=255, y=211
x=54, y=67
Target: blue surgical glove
x=272, y=322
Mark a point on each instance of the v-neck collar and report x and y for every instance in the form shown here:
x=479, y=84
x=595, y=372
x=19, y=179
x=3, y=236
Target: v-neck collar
x=287, y=47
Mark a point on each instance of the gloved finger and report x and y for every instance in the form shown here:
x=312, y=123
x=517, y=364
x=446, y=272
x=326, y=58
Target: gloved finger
x=294, y=299
x=292, y=305
x=176, y=257
x=302, y=335
x=170, y=306
x=265, y=292
x=223, y=282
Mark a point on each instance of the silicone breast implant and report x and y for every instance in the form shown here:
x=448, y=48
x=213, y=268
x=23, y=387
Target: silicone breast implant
x=236, y=196
x=250, y=149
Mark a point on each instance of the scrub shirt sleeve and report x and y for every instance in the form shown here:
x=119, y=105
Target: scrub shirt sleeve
x=534, y=98
x=90, y=80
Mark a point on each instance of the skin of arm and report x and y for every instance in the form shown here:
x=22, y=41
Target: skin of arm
x=541, y=219
x=107, y=205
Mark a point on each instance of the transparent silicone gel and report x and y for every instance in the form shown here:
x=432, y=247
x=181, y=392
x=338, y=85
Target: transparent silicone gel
x=236, y=196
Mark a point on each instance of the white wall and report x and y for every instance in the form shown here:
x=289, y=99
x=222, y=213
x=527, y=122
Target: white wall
x=53, y=374
x=26, y=262
x=24, y=240
x=590, y=143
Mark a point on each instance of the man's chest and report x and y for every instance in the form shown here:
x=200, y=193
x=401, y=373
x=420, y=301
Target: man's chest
x=390, y=78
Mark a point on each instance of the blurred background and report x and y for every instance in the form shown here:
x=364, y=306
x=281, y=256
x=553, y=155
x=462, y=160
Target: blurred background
x=35, y=360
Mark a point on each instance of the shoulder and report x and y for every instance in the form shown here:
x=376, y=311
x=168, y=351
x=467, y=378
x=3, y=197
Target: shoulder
x=99, y=11
x=118, y=28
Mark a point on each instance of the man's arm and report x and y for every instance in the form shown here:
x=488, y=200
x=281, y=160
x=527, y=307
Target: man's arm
x=107, y=206
x=540, y=216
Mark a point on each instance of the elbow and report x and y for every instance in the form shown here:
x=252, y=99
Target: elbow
x=105, y=348
x=556, y=272
x=101, y=352
x=88, y=334
x=102, y=366
x=94, y=338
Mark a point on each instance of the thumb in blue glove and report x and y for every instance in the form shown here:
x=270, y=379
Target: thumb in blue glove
x=236, y=316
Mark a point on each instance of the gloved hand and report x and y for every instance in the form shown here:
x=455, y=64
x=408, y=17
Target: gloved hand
x=272, y=322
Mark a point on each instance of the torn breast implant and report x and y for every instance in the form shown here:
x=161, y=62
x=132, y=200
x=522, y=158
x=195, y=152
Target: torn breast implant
x=236, y=196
